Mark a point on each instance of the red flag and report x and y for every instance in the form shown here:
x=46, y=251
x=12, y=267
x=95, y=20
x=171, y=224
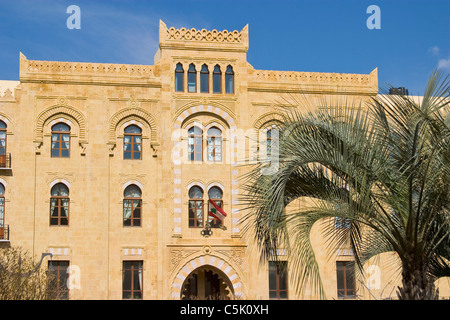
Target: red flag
x=216, y=211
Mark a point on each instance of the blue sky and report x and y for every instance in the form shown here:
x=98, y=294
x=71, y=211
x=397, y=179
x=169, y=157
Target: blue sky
x=295, y=35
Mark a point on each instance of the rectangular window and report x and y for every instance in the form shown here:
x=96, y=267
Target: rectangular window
x=204, y=82
x=132, y=273
x=345, y=271
x=60, y=145
x=195, y=213
x=59, y=269
x=278, y=280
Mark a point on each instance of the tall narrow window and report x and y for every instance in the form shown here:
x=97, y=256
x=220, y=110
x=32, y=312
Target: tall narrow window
x=214, y=144
x=215, y=194
x=2, y=211
x=204, y=79
x=2, y=144
x=132, y=204
x=192, y=78
x=195, y=207
x=179, y=78
x=195, y=144
x=132, y=143
x=345, y=279
x=60, y=140
x=217, y=80
x=229, y=80
x=132, y=273
x=278, y=280
x=59, y=205
x=59, y=269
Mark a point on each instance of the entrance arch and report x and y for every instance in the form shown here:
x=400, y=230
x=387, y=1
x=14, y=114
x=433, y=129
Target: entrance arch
x=230, y=282
x=208, y=283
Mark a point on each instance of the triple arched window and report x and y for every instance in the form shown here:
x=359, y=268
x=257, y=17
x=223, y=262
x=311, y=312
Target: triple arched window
x=214, y=144
x=192, y=79
x=196, y=213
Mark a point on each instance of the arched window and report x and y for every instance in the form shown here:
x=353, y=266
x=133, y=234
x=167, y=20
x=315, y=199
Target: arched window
x=229, y=80
x=217, y=80
x=132, y=205
x=195, y=145
x=192, y=78
x=60, y=140
x=2, y=210
x=59, y=205
x=179, y=78
x=2, y=144
x=204, y=79
x=215, y=194
x=132, y=143
x=195, y=207
x=214, y=144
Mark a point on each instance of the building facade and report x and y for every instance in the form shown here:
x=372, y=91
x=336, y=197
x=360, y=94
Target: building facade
x=110, y=168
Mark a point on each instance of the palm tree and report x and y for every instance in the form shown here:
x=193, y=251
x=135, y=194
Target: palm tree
x=384, y=169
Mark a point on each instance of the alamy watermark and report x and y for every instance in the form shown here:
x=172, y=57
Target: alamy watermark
x=374, y=21
x=74, y=20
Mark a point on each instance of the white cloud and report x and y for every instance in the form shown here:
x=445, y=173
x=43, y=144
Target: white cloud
x=444, y=64
x=434, y=50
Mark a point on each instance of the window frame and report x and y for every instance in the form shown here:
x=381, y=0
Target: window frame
x=60, y=141
x=135, y=265
x=229, y=76
x=278, y=279
x=195, y=137
x=132, y=143
x=62, y=290
x=132, y=200
x=347, y=268
x=192, y=79
x=2, y=210
x=59, y=206
x=193, y=218
x=217, y=79
x=213, y=145
x=3, y=147
x=204, y=79
x=179, y=77
x=213, y=222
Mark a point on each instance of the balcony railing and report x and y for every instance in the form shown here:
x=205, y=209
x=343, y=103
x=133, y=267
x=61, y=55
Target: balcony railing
x=5, y=161
x=4, y=233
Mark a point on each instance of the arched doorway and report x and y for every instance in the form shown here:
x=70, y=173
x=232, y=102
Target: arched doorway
x=207, y=283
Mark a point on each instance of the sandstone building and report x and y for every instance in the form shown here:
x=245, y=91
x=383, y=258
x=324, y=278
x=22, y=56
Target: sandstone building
x=111, y=167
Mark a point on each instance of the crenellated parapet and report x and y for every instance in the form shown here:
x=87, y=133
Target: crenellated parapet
x=183, y=38
x=85, y=72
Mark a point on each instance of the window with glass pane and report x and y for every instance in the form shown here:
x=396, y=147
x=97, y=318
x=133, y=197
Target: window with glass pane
x=204, y=79
x=215, y=194
x=345, y=279
x=132, y=143
x=2, y=144
x=195, y=207
x=132, y=205
x=278, y=288
x=192, y=78
x=195, y=144
x=59, y=205
x=217, y=80
x=59, y=269
x=229, y=80
x=60, y=140
x=132, y=273
x=214, y=144
x=2, y=210
x=179, y=77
